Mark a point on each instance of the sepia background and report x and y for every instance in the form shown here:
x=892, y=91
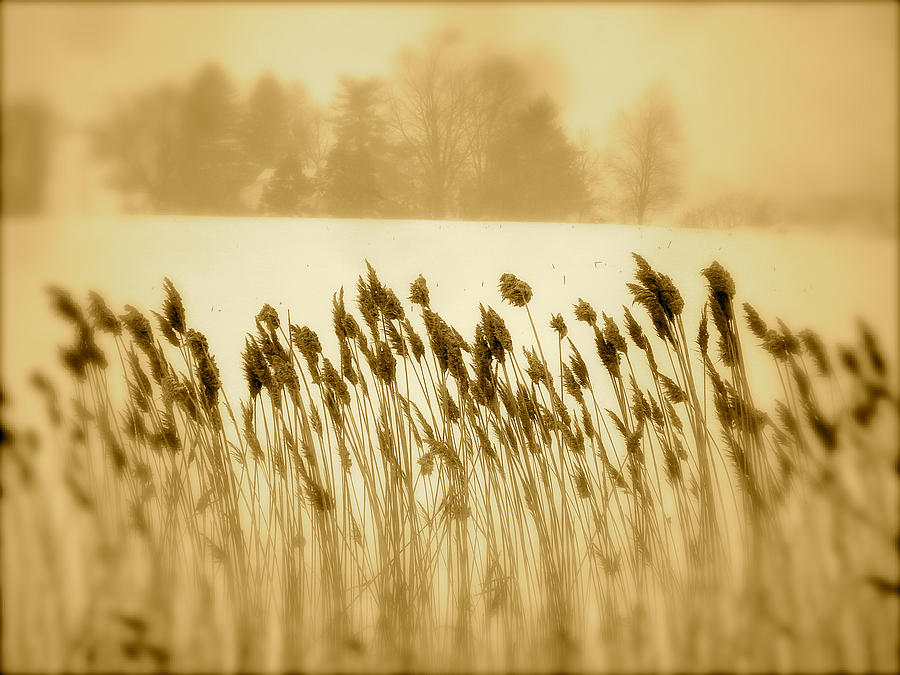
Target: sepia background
x=758, y=118
x=781, y=113
x=264, y=153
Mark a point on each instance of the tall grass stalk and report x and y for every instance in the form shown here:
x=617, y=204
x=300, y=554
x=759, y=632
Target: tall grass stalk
x=418, y=500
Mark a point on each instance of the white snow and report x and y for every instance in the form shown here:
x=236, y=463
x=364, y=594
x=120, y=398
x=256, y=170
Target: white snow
x=226, y=268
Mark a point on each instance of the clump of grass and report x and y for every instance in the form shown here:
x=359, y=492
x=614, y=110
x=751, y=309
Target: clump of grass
x=425, y=501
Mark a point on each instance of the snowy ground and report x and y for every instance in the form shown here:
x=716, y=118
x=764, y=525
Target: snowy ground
x=227, y=268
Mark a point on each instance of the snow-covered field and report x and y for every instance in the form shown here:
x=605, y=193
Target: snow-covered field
x=226, y=268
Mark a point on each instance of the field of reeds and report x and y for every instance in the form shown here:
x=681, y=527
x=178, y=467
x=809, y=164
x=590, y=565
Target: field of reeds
x=610, y=496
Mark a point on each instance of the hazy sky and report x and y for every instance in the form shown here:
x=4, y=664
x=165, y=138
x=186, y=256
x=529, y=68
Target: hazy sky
x=778, y=98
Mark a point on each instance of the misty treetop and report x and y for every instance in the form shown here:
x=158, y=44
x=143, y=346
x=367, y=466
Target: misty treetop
x=360, y=177
x=28, y=130
x=452, y=133
x=531, y=171
x=644, y=155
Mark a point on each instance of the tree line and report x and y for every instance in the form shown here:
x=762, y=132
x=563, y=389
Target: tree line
x=28, y=135
x=452, y=134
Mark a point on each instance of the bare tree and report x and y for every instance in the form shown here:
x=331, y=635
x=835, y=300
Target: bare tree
x=588, y=168
x=319, y=141
x=645, y=156
x=501, y=87
x=139, y=141
x=431, y=109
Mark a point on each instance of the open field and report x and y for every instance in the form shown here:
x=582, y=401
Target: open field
x=227, y=268
x=672, y=504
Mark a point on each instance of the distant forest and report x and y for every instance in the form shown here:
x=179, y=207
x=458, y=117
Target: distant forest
x=454, y=133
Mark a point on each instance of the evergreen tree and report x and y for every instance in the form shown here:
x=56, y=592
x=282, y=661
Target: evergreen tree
x=266, y=130
x=213, y=168
x=354, y=180
x=287, y=189
x=531, y=171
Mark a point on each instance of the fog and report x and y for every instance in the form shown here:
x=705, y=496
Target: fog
x=793, y=102
x=718, y=180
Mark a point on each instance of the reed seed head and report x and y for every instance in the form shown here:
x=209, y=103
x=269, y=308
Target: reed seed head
x=66, y=306
x=815, y=347
x=607, y=353
x=166, y=329
x=173, y=308
x=872, y=350
x=848, y=358
x=584, y=312
x=268, y=317
x=416, y=346
x=579, y=368
x=791, y=343
x=334, y=382
x=703, y=333
x=719, y=280
x=571, y=384
x=496, y=334
x=385, y=363
x=634, y=330
x=206, y=369
x=755, y=323
x=536, y=370
x=558, y=324
x=104, y=318
x=613, y=336
x=418, y=292
x=672, y=391
x=391, y=307
x=139, y=328
x=306, y=341
x=365, y=301
x=515, y=291
x=378, y=291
